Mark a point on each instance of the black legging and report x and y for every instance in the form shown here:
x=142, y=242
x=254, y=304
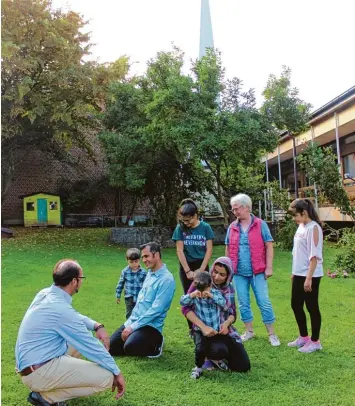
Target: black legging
x=140, y=343
x=299, y=297
x=221, y=347
x=186, y=283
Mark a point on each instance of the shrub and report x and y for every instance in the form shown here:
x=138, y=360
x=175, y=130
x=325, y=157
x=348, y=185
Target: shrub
x=346, y=260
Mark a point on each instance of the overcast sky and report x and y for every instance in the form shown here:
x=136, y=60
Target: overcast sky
x=256, y=38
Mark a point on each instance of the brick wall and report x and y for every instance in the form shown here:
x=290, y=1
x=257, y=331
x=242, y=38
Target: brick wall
x=39, y=172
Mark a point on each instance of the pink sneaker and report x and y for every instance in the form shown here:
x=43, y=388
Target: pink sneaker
x=299, y=342
x=311, y=346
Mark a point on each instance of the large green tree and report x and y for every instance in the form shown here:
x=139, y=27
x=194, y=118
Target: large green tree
x=49, y=95
x=173, y=134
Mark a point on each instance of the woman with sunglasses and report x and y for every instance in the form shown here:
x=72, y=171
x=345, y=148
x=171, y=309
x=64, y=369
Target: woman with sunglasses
x=193, y=243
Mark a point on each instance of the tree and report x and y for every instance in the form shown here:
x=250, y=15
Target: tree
x=235, y=134
x=321, y=167
x=282, y=105
x=194, y=135
x=49, y=95
x=147, y=144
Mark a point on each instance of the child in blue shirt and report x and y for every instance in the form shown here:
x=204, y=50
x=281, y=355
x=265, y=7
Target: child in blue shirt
x=132, y=278
x=208, y=303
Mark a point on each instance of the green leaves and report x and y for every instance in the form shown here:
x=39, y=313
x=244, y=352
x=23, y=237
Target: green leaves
x=282, y=105
x=163, y=125
x=50, y=96
x=320, y=165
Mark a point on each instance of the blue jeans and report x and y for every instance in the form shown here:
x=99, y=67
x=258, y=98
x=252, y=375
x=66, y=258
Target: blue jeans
x=259, y=285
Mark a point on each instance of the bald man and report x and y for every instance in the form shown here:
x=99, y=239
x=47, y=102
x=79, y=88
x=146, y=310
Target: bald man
x=48, y=334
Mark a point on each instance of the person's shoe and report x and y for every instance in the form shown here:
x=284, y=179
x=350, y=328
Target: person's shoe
x=299, y=342
x=248, y=335
x=208, y=365
x=159, y=350
x=36, y=399
x=196, y=373
x=274, y=340
x=220, y=365
x=311, y=346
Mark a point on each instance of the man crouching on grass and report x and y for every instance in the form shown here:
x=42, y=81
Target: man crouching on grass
x=43, y=359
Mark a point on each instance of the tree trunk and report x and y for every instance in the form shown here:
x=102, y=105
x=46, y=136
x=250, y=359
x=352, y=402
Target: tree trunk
x=7, y=175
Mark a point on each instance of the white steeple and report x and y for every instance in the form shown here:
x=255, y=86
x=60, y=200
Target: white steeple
x=206, y=34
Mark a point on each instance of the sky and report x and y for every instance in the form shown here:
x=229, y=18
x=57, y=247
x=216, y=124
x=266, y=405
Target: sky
x=256, y=37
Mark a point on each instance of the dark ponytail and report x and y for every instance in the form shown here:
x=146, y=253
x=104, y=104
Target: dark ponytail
x=301, y=205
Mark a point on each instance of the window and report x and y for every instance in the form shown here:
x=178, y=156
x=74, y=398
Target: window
x=53, y=205
x=30, y=206
x=349, y=166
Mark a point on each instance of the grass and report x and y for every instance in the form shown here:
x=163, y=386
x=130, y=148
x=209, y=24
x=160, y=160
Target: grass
x=279, y=376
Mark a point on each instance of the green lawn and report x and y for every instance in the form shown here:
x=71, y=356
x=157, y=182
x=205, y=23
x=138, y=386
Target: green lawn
x=279, y=376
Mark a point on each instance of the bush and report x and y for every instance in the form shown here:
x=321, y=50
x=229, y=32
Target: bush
x=285, y=231
x=346, y=260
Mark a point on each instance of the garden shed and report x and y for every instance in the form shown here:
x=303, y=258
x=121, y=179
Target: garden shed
x=42, y=209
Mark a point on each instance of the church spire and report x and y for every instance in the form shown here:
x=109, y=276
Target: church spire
x=206, y=34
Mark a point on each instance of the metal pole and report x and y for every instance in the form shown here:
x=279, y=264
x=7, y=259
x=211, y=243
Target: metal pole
x=338, y=152
x=260, y=209
x=267, y=170
x=265, y=204
x=337, y=139
x=294, y=165
x=315, y=185
x=279, y=164
x=272, y=207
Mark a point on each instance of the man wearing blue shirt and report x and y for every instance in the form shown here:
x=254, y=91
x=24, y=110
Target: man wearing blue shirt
x=141, y=334
x=43, y=358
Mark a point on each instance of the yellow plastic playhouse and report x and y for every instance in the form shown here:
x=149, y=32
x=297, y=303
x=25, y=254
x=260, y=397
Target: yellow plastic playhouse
x=42, y=209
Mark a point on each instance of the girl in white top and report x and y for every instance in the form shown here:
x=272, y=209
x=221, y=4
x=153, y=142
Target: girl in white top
x=307, y=270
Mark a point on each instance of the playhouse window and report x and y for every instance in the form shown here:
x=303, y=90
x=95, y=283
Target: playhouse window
x=30, y=206
x=53, y=205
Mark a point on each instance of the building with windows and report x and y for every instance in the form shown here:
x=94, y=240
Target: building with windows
x=331, y=125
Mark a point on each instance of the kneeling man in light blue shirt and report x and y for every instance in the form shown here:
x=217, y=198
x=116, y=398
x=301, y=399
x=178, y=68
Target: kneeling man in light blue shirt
x=141, y=335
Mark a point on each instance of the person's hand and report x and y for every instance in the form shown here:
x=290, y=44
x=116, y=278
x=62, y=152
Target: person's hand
x=118, y=300
x=268, y=272
x=308, y=285
x=189, y=275
x=101, y=334
x=224, y=328
x=207, y=294
x=120, y=384
x=209, y=331
x=195, y=294
x=126, y=333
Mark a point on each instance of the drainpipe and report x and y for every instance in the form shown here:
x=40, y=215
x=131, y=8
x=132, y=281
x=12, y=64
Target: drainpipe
x=294, y=165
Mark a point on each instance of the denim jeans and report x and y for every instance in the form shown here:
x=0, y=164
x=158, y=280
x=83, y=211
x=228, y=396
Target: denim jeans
x=259, y=285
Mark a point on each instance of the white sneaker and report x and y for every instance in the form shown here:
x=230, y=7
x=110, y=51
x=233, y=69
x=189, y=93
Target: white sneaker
x=248, y=335
x=274, y=340
x=299, y=342
x=196, y=373
x=311, y=346
x=158, y=351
